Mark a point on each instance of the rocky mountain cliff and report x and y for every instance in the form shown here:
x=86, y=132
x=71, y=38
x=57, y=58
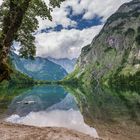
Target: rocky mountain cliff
x=114, y=54
x=66, y=63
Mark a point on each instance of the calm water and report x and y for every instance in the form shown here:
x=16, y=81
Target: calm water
x=75, y=108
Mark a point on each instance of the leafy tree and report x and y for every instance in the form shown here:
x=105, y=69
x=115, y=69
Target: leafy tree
x=18, y=21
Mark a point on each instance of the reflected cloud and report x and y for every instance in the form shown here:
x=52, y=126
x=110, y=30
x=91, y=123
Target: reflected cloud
x=70, y=119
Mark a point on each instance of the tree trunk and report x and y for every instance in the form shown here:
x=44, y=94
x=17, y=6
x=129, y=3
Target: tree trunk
x=11, y=24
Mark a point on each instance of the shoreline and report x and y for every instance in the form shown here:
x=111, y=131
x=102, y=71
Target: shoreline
x=10, y=131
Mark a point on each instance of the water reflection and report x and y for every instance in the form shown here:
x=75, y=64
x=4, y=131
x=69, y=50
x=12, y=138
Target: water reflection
x=39, y=99
x=71, y=119
x=114, y=113
x=108, y=105
x=48, y=106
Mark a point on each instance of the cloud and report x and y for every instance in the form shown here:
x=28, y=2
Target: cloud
x=66, y=43
x=59, y=17
x=89, y=9
x=1, y=1
x=100, y=8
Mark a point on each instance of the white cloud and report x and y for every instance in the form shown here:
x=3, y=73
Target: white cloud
x=90, y=8
x=67, y=43
x=59, y=16
x=101, y=8
x=1, y=2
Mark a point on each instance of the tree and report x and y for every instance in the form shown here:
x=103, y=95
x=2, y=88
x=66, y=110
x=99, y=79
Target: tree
x=18, y=21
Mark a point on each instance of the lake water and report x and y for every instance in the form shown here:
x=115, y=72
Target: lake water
x=80, y=109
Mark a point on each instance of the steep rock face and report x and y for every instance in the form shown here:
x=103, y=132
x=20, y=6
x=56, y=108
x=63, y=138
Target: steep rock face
x=40, y=68
x=67, y=64
x=115, y=52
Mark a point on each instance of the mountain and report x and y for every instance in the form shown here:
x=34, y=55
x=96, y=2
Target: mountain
x=113, y=57
x=39, y=68
x=67, y=64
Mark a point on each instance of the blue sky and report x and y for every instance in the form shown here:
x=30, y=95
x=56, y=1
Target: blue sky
x=81, y=24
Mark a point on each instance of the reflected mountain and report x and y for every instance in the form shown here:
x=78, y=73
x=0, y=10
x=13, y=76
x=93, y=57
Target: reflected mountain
x=114, y=113
x=49, y=106
x=37, y=99
x=66, y=104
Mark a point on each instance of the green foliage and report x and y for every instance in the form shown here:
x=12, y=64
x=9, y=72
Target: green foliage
x=108, y=49
x=128, y=81
x=17, y=78
x=29, y=24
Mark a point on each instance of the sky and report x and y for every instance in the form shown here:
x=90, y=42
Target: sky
x=74, y=25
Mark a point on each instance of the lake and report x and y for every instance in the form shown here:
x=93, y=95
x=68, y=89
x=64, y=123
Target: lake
x=98, y=111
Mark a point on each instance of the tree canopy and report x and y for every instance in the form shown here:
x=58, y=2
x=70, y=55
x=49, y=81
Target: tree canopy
x=29, y=23
x=18, y=21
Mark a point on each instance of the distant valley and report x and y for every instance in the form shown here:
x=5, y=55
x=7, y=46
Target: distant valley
x=67, y=64
x=40, y=68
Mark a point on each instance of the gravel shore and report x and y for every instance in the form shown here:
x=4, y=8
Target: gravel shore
x=10, y=131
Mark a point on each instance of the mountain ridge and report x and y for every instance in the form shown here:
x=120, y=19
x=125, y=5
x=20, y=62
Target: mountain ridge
x=66, y=63
x=113, y=57
x=39, y=68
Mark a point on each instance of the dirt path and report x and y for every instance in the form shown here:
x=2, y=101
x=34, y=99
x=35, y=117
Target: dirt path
x=21, y=132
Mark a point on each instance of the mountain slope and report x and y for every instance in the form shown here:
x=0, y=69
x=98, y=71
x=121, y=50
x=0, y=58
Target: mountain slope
x=67, y=64
x=17, y=79
x=40, y=68
x=113, y=57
